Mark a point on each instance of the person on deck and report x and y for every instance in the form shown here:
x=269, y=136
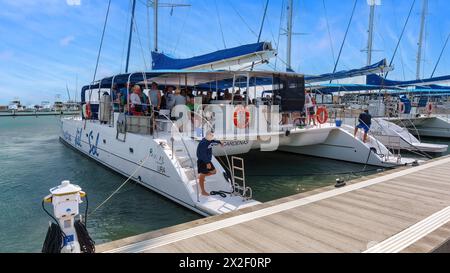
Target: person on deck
x=227, y=95
x=237, y=98
x=124, y=95
x=115, y=97
x=155, y=97
x=145, y=100
x=179, y=99
x=310, y=108
x=204, y=157
x=365, y=121
x=169, y=98
x=135, y=101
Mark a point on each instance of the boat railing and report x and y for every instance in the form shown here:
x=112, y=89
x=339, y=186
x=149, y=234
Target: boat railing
x=179, y=134
x=376, y=143
x=392, y=140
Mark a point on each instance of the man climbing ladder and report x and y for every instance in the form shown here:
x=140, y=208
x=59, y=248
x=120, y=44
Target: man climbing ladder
x=204, y=157
x=365, y=120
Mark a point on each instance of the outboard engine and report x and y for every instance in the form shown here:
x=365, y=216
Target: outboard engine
x=67, y=234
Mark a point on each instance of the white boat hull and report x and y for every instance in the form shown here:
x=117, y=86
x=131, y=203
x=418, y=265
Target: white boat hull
x=434, y=126
x=159, y=172
x=341, y=145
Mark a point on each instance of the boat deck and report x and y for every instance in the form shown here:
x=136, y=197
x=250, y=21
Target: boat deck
x=402, y=210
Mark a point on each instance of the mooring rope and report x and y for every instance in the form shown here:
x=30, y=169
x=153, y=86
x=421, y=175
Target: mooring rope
x=121, y=186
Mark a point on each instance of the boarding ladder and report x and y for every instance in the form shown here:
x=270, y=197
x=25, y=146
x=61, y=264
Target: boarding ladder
x=238, y=175
x=121, y=128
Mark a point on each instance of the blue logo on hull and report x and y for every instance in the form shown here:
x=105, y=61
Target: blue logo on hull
x=93, y=147
x=78, y=137
x=67, y=136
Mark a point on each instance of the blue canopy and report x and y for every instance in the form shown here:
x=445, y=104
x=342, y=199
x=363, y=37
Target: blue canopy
x=377, y=80
x=434, y=87
x=374, y=68
x=162, y=61
x=335, y=88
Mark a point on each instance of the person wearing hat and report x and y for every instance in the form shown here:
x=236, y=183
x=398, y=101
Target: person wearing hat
x=204, y=157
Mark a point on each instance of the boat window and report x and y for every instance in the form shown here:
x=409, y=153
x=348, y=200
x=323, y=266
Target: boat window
x=289, y=93
x=96, y=94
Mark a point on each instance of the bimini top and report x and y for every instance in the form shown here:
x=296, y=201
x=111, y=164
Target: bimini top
x=194, y=78
x=328, y=89
x=162, y=61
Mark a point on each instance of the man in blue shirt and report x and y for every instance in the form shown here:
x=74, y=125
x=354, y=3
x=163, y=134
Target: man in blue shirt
x=365, y=120
x=204, y=157
x=124, y=95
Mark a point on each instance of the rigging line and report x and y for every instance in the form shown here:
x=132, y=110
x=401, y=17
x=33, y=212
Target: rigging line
x=242, y=19
x=401, y=49
x=99, y=52
x=261, y=28
x=279, y=31
x=440, y=55
x=182, y=30
x=125, y=37
x=329, y=31
x=345, y=38
x=401, y=36
x=140, y=43
x=263, y=20
x=123, y=184
x=101, y=41
x=220, y=24
x=148, y=30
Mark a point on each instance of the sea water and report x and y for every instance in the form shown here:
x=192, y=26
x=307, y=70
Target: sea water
x=33, y=160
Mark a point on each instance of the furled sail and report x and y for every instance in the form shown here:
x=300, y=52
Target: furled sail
x=237, y=58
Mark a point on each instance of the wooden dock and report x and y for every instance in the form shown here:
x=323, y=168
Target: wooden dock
x=402, y=210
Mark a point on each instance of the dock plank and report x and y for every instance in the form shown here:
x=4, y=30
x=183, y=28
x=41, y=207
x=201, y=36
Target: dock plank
x=350, y=219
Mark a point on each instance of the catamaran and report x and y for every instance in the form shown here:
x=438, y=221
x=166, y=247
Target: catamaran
x=160, y=153
x=246, y=109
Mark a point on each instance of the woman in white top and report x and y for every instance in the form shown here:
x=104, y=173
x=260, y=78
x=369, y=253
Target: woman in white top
x=135, y=99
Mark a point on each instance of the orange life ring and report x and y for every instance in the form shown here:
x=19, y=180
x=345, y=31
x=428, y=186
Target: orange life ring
x=429, y=108
x=88, y=111
x=401, y=107
x=322, y=115
x=237, y=118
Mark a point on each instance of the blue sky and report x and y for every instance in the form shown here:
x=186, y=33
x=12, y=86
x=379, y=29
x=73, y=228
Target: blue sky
x=48, y=43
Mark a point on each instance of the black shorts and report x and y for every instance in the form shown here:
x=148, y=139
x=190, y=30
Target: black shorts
x=203, y=168
x=311, y=111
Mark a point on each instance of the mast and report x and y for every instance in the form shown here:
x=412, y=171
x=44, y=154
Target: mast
x=372, y=4
x=155, y=24
x=156, y=5
x=130, y=37
x=421, y=36
x=290, y=8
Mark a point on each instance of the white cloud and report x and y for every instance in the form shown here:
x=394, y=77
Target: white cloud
x=66, y=40
x=73, y=2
